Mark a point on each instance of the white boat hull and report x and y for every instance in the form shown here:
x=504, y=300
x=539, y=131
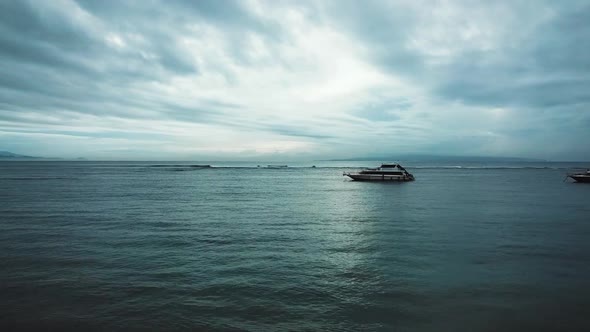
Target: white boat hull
x=583, y=178
x=379, y=177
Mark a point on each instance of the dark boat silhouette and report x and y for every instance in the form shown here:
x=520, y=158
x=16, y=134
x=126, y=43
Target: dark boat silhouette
x=277, y=166
x=581, y=177
x=387, y=172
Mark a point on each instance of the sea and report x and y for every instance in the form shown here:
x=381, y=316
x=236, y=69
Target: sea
x=147, y=246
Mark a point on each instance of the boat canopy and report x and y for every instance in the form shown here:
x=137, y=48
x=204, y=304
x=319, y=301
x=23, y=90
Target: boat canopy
x=393, y=166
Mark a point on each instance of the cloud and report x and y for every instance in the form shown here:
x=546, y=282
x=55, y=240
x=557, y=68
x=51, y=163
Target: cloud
x=315, y=79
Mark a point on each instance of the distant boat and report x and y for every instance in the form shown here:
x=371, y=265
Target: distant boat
x=277, y=166
x=181, y=165
x=387, y=172
x=581, y=177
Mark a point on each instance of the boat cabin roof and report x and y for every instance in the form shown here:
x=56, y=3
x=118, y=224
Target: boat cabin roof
x=389, y=165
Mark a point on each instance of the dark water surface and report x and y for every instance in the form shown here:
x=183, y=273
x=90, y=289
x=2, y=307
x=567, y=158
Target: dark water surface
x=126, y=246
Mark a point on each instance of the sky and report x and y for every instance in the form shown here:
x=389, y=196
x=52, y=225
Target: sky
x=265, y=80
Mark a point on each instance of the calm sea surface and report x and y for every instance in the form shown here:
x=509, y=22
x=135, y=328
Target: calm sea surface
x=130, y=246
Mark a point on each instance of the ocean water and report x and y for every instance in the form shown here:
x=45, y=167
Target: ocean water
x=129, y=246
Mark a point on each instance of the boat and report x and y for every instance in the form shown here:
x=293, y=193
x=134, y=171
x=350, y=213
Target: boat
x=581, y=177
x=277, y=166
x=386, y=172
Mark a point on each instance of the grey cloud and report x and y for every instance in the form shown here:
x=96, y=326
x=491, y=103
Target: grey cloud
x=532, y=94
x=563, y=43
x=296, y=131
x=383, y=26
x=75, y=69
x=384, y=110
x=44, y=34
x=228, y=13
x=129, y=14
x=546, y=66
x=52, y=63
x=24, y=20
x=176, y=17
x=550, y=67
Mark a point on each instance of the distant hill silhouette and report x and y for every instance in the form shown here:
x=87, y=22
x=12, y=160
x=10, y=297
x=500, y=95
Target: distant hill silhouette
x=419, y=157
x=10, y=155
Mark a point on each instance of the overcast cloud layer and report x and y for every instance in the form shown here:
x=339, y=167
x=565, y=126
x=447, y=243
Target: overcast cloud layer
x=294, y=79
